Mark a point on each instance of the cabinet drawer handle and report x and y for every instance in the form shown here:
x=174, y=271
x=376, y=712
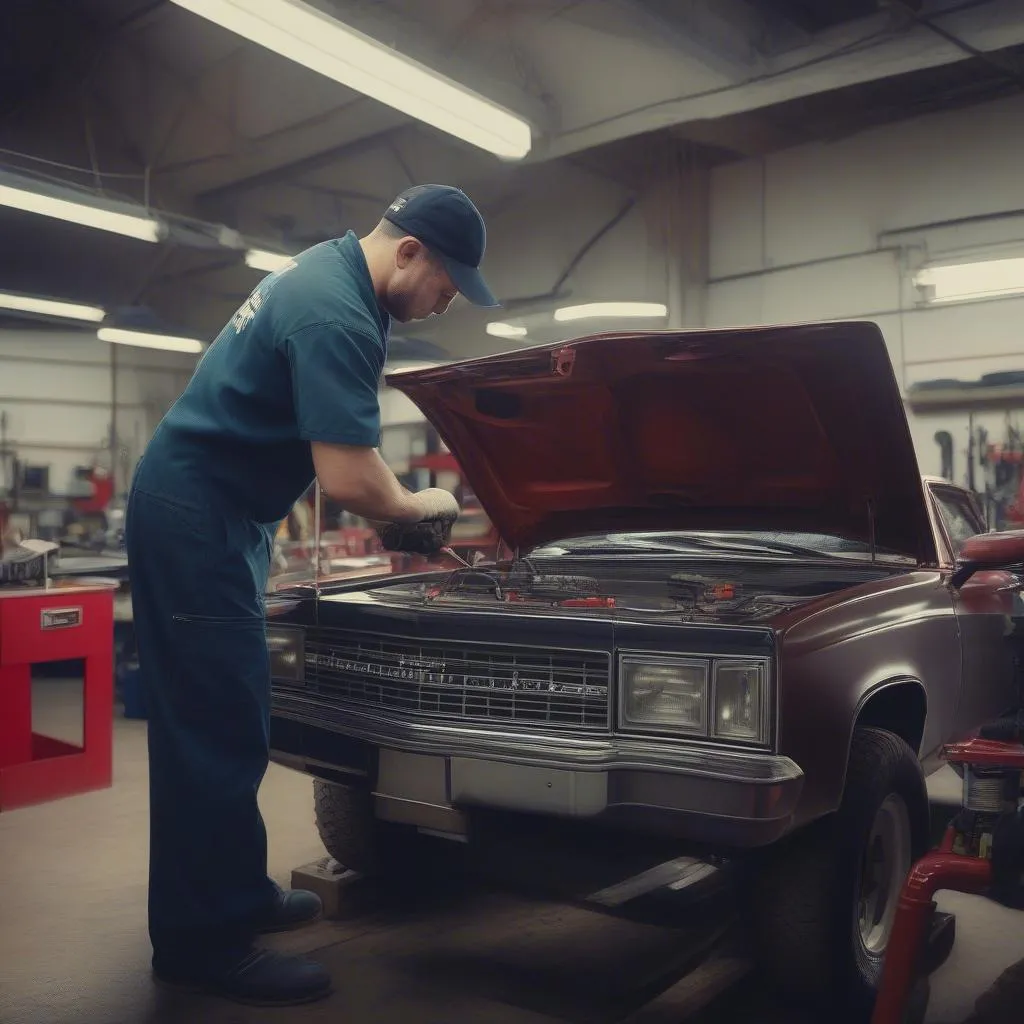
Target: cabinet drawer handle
x=60, y=618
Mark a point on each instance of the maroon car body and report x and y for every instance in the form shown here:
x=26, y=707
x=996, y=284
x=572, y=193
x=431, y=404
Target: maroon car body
x=794, y=429
x=731, y=616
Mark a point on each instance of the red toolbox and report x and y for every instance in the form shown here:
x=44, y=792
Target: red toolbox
x=63, y=621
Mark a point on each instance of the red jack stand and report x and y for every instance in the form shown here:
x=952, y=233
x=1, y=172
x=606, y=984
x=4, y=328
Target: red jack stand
x=992, y=772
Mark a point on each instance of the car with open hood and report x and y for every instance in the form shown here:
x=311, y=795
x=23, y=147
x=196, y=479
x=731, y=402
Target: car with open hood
x=729, y=624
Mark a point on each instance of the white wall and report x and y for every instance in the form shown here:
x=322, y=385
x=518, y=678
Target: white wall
x=403, y=429
x=835, y=230
x=56, y=389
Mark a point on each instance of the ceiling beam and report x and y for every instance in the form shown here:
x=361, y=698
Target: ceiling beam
x=719, y=34
x=894, y=45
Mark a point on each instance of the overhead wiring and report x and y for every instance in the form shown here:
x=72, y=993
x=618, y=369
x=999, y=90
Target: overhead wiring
x=89, y=192
x=89, y=171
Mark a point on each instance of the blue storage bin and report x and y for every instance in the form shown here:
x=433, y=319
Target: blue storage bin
x=131, y=691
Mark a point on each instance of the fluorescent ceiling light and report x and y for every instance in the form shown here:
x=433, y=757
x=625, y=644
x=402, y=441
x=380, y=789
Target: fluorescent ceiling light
x=262, y=259
x=611, y=309
x=145, y=228
x=500, y=330
x=305, y=35
x=143, y=339
x=50, y=307
x=986, y=279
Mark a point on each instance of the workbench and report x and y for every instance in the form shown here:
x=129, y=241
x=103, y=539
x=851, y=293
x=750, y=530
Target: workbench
x=64, y=620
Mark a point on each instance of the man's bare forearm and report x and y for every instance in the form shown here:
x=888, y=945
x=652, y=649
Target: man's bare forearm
x=361, y=481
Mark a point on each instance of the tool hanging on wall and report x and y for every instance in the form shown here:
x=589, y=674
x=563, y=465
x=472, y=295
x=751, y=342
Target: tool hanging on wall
x=1003, y=464
x=971, y=455
x=985, y=461
x=8, y=460
x=944, y=439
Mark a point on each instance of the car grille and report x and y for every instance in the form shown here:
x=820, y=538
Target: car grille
x=467, y=682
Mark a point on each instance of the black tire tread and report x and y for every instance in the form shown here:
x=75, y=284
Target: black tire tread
x=344, y=819
x=799, y=900
x=790, y=933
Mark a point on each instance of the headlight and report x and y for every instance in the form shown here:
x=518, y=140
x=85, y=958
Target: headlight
x=665, y=694
x=287, y=653
x=723, y=699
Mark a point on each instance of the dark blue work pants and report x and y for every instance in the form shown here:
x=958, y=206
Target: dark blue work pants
x=198, y=577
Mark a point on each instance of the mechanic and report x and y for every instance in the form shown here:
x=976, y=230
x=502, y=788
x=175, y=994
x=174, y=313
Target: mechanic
x=287, y=391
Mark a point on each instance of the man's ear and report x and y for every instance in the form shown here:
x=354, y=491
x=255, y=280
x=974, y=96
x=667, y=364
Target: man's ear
x=407, y=250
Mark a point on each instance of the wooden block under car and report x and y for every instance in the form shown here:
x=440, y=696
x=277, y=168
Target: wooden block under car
x=344, y=893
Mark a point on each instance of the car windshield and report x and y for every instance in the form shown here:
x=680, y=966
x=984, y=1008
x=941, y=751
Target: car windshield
x=800, y=544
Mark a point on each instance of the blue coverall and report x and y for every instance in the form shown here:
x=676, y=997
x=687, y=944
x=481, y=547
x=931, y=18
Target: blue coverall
x=300, y=361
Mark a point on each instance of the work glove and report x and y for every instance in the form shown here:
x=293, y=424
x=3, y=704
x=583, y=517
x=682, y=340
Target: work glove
x=431, y=532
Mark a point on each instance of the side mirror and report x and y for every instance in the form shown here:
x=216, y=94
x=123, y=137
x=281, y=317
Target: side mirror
x=989, y=551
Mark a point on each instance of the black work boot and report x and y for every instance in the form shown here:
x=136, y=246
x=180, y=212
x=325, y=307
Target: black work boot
x=259, y=977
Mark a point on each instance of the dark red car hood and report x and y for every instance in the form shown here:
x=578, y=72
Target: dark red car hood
x=776, y=428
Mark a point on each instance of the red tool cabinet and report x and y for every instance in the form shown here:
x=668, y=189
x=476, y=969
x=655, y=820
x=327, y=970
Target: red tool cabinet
x=63, y=621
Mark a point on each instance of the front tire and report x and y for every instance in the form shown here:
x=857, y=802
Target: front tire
x=351, y=833
x=823, y=907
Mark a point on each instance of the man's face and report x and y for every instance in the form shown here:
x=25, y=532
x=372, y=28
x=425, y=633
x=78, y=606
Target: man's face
x=420, y=286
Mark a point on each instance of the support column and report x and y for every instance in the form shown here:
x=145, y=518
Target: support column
x=678, y=218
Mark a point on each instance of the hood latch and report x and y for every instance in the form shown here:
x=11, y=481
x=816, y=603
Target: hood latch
x=562, y=361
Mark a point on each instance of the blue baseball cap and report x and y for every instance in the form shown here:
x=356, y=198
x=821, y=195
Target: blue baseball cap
x=445, y=220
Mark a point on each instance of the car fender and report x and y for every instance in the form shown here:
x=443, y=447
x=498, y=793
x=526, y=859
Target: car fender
x=898, y=704
x=834, y=664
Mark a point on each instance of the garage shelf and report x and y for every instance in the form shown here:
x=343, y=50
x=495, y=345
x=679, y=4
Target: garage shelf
x=966, y=398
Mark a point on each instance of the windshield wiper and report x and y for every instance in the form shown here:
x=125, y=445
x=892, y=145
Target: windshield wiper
x=603, y=547
x=688, y=543
x=792, y=548
x=769, y=547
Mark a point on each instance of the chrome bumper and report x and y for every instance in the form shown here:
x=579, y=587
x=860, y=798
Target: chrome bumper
x=742, y=798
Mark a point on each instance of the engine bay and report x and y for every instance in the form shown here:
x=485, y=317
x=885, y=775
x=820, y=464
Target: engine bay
x=688, y=589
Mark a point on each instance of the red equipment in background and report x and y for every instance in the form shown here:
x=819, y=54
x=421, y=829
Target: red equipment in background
x=102, y=483
x=992, y=771
x=992, y=767
x=1003, y=464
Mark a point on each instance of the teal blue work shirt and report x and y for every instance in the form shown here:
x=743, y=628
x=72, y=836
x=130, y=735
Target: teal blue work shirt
x=300, y=361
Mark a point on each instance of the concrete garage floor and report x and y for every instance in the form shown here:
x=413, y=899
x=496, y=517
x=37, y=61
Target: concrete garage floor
x=73, y=943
